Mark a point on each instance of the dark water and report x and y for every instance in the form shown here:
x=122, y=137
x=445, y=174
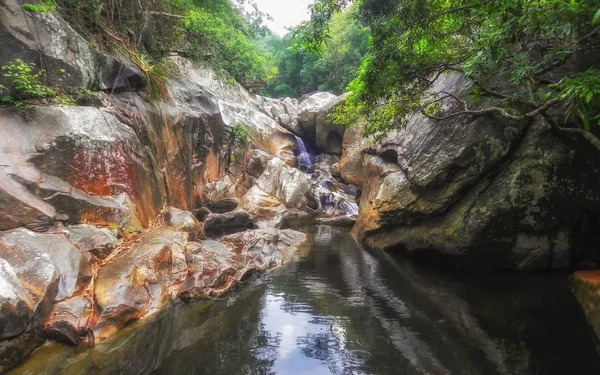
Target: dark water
x=342, y=310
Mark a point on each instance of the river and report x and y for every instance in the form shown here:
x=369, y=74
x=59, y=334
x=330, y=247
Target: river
x=343, y=310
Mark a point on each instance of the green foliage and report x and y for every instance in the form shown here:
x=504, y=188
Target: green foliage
x=84, y=96
x=157, y=75
x=25, y=82
x=241, y=134
x=582, y=95
x=512, y=51
x=295, y=72
x=215, y=38
x=45, y=7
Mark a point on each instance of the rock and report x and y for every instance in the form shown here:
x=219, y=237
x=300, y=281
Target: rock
x=329, y=135
x=261, y=205
x=49, y=266
x=99, y=242
x=78, y=165
x=232, y=221
x=184, y=221
x=50, y=269
x=293, y=219
x=586, y=288
x=480, y=192
x=335, y=170
x=339, y=221
x=141, y=282
x=201, y=213
x=215, y=267
x=351, y=162
x=288, y=185
x=223, y=188
x=309, y=109
x=223, y=206
x=68, y=60
x=16, y=306
x=69, y=320
x=257, y=163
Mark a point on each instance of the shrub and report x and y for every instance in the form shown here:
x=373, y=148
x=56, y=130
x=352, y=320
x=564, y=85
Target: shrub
x=241, y=134
x=24, y=82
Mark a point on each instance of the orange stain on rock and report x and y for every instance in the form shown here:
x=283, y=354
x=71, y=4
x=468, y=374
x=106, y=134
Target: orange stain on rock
x=102, y=171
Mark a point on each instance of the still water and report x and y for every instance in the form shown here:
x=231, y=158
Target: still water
x=344, y=310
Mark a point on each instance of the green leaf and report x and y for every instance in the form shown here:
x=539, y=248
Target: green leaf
x=596, y=18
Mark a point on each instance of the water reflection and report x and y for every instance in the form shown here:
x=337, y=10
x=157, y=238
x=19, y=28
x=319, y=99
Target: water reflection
x=342, y=310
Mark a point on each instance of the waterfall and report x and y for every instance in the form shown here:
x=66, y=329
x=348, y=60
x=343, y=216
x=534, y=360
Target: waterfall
x=305, y=158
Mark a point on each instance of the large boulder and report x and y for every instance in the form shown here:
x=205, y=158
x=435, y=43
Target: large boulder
x=484, y=192
x=16, y=306
x=309, y=110
x=351, y=162
x=73, y=164
x=289, y=185
x=141, y=282
x=329, y=135
x=36, y=271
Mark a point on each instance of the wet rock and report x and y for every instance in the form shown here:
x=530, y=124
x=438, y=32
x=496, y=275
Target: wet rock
x=69, y=320
x=479, y=192
x=216, y=266
x=99, y=242
x=141, y=282
x=224, y=205
x=586, y=288
x=288, y=185
x=329, y=135
x=257, y=163
x=309, y=110
x=184, y=221
x=351, y=162
x=16, y=306
x=234, y=221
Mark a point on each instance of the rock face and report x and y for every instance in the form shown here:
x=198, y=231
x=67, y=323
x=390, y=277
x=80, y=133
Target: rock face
x=69, y=61
x=329, y=136
x=483, y=192
x=586, y=288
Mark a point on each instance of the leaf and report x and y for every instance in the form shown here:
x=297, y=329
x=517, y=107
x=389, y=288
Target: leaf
x=596, y=18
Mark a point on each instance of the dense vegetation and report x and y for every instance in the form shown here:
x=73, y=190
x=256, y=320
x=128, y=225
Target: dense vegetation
x=295, y=72
x=529, y=56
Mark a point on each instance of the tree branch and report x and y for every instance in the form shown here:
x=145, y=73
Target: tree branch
x=491, y=110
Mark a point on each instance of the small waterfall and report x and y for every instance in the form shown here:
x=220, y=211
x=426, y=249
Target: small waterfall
x=305, y=158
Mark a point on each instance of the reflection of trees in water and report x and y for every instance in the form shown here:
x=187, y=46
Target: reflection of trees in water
x=415, y=320
x=410, y=320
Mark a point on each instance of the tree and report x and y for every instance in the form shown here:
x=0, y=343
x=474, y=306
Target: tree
x=530, y=56
x=301, y=71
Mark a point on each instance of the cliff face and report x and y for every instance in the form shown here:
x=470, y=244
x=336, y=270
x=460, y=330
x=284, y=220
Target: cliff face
x=482, y=192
